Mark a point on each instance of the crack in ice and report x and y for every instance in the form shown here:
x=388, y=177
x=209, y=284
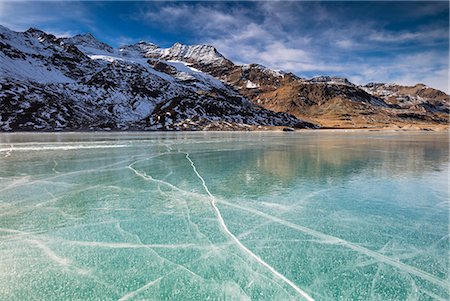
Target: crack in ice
x=336, y=240
x=25, y=180
x=54, y=166
x=126, y=245
x=69, y=147
x=147, y=177
x=238, y=242
x=57, y=259
x=133, y=293
x=187, y=217
x=8, y=152
x=153, y=282
x=433, y=295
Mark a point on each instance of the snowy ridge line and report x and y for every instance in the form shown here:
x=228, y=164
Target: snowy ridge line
x=336, y=240
x=33, y=148
x=238, y=242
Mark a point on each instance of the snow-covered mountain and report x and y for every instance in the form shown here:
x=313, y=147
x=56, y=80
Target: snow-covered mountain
x=50, y=83
x=335, y=101
x=418, y=97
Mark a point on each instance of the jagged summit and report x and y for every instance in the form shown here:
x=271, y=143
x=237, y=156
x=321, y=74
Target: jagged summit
x=418, y=97
x=88, y=35
x=331, y=80
x=206, y=54
x=197, y=54
x=141, y=48
x=84, y=38
x=33, y=30
x=88, y=43
x=264, y=69
x=142, y=42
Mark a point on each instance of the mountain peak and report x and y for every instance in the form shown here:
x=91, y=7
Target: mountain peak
x=88, y=43
x=142, y=42
x=207, y=47
x=331, y=80
x=261, y=68
x=421, y=85
x=34, y=29
x=205, y=54
x=87, y=35
x=35, y=32
x=141, y=48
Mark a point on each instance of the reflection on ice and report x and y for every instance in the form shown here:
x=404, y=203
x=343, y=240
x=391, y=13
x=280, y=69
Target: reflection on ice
x=238, y=242
x=235, y=216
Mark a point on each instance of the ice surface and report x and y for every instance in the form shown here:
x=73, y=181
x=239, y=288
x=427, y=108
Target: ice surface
x=224, y=216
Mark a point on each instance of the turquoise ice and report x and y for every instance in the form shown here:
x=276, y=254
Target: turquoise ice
x=224, y=216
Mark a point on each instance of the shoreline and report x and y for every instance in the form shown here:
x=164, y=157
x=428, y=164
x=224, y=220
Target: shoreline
x=268, y=130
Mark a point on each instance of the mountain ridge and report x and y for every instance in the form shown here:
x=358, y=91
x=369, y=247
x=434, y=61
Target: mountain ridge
x=191, y=52
x=51, y=83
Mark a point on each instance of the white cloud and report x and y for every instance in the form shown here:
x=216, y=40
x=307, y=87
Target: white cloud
x=208, y=20
x=276, y=36
x=430, y=68
x=409, y=36
x=305, y=38
x=61, y=34
x=21, y=15
x=346, y=43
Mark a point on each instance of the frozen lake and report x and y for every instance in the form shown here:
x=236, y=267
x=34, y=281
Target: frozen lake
x=224, y=216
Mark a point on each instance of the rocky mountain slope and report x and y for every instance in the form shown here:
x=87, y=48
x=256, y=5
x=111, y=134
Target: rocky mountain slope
x=80, y=83
x=336, y=102
x=418, y=97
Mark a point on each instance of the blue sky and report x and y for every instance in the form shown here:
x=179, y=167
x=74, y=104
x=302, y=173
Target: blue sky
x=403, y=42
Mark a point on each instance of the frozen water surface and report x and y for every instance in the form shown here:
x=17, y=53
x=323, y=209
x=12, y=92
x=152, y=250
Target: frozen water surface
x=224, y=216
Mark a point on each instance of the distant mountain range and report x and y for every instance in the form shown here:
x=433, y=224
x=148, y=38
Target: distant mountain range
x=81, y=83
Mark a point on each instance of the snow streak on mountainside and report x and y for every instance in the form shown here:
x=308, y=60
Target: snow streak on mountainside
x=50, y=83
x=334, y=101
x=419, y=97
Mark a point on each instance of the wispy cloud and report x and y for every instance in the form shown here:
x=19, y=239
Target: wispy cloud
x=428, y=67
x=208, y=19
x=400, y=41
x=48, y=16
x=300, y=39
x=407, y=36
